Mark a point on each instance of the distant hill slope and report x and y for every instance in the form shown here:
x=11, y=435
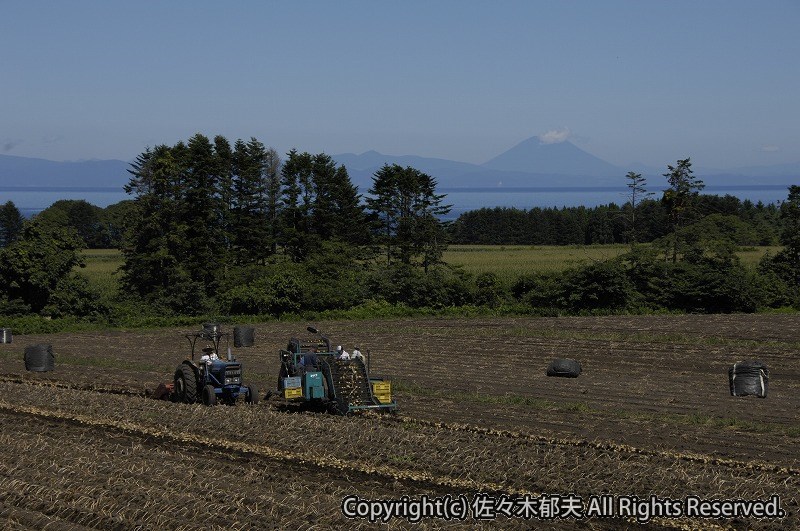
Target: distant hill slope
x=529, y=164
x=563, y=158
x=30, y=172
x=372, y=160
x=557, y=166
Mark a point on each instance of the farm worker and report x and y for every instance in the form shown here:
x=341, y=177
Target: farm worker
x=357, y=353
x=342, y=354
x=309, y=360
x=300, y=365
x=208, y=354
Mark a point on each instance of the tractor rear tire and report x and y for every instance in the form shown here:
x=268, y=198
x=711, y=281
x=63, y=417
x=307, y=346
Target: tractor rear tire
x=209, y=396
x=185, y=384
x=252, y=395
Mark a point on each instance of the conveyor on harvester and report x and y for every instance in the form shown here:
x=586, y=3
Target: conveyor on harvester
x=348, y=379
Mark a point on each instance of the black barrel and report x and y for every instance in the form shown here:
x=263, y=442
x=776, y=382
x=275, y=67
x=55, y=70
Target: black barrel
x=564, y=368
x=748, y=378
x=39, y=358
x=211, y=330
x=5, y=335
x=244, y=336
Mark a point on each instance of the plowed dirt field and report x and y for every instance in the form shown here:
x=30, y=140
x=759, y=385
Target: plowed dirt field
x=650, y=415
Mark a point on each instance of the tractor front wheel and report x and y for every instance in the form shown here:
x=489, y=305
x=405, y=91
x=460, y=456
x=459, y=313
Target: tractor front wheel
x=209, y=396
x=185, y=384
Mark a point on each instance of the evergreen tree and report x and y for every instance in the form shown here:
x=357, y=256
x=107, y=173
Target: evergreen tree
x=201, y=214
x=637, y=192
x=384, y=206
x=408, y=213
x=790, y=234
x=338, y=213
x=679, y=197
x=272, y=166
x=10, y=223
x=296, y=208
x=249, y=213
x=224, y=171
x=196, y=206
x=320, y=203
x=154, y=243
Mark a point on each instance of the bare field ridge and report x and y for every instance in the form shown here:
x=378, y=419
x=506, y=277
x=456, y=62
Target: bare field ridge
x=650, y=415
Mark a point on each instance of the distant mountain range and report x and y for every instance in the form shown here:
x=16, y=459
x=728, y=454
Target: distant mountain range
x=534, y=164
x=529, y=164
x=41, y=173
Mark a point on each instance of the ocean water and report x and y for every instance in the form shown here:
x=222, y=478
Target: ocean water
x=33, y=200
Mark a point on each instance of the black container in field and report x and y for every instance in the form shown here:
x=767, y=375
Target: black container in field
x=748, y=378
x=39, y=358
x=5, y=335
x=211, y=330
x=244, y=336
x=564, y=368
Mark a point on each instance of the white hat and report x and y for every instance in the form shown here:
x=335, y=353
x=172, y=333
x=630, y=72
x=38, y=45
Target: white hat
x=339, y=347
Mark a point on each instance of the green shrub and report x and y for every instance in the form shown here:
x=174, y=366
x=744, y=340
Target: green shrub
x=543, y=291
x=278, y=294
x=488, y=290
x=710, y=285
x=776, y=278
x=603, y=285
x=73, y=297
x=403, y=284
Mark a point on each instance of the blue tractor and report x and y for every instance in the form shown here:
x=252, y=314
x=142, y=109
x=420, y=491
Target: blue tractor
x=313, y=374
x=211, y=379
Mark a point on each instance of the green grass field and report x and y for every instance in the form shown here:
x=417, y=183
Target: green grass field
x=511, y=261
x=507, y=261
x=101, y=269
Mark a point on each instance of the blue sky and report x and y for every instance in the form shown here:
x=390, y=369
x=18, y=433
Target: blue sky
x=628, y=81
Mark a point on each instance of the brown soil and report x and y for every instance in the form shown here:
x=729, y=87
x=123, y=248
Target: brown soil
x=650, y=414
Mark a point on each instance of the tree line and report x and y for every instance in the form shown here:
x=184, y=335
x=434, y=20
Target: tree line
x=256, y=205
x=215, y=228
x=206, y=215
x=639, y=219
x=751, y=224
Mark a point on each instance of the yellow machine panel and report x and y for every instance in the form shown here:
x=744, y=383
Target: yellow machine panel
x=293, y=393
x=382, y=391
